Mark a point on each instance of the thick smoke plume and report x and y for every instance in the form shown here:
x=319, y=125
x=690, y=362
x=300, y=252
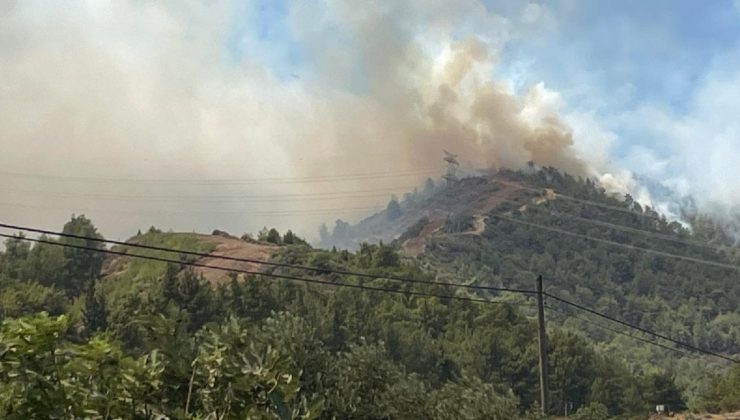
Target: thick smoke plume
x=141, y=90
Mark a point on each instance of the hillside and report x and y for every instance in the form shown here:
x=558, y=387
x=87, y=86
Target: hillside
x=218, y=244
x=686, y=285
x=457, y=232
x=470, y=198
x=297, y=343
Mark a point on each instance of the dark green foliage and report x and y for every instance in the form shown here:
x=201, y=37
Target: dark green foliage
x=691, y=302
x=360, y=382
x=270, y=235
x=81, y=266
x=723, y=394
x=458, y=223
x=291, y=238
x=234, y=378
x=414, y=230
x=44, y=376
x=95, y=313
x=661, y=389
x=46, y=264
x=190, y=292
x=24, y=298
x=170, y=344
x=385, y=256
x=594, y=411
x=572, y=369
x=273, y=236
x=14, y=257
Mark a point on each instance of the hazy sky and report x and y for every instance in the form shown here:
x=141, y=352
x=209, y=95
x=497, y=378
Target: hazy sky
x=240, y=114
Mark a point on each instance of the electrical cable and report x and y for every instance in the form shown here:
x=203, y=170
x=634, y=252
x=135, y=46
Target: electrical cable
x=292, y=212
x=644, y=232
x=267, y=263
x=232, y=181
x=271, y=275
x=638, y=328
x=331, y=195
x=616, y=331
x=619, y=244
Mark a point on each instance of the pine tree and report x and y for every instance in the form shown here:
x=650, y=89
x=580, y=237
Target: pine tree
x=95, y=312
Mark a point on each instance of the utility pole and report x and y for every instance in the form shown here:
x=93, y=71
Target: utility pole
x=542, y=338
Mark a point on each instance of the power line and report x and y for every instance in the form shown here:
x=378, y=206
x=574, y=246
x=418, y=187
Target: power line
x=611, y=207
x=271, y=275
x=290, y=180
x=638, y=328
x=267, y=263
x=644, y=232
x=332, y=195
x=325, y=282
x=619, y=244
x=580, y=200
x=296, y=212
x=616, y=331
x=606, y=206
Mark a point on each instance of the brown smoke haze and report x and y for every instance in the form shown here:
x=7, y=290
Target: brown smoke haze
x=97, y=95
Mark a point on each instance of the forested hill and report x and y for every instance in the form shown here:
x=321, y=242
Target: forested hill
x=604, y=251
x=610, y=254
x=145, y=333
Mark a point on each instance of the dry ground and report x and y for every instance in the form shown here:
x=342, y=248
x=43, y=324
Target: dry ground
x=235, y=248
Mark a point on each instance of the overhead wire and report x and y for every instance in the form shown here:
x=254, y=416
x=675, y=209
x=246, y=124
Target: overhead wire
x=375, y=288
x=618, y=244
x=326, y=282
x=606, y=206
x=644, y=232
x=616, y=331
x=292, y=212
x=271, y=275
x=632, y=247
x=233, y=181
x=558, y=194
x=638, y=328
x=331, y=195
x=266, y=263
x=536, y=225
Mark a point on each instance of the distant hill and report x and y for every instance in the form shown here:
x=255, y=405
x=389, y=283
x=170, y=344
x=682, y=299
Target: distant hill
x=440, y=205
x=374, y=331
x=604, y=251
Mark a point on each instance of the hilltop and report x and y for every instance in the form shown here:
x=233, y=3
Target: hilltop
x=436, y=207
x=605, y=251
x=217, y=244
x=378, y=345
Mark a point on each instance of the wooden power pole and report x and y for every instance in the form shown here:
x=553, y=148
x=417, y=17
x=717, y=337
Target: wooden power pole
x=542, y=338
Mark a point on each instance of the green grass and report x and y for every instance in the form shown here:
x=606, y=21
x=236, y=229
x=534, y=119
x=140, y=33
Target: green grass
x=132, y=274
x=135, y=268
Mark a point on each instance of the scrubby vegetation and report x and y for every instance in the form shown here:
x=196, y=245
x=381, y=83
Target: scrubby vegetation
x=125, y=338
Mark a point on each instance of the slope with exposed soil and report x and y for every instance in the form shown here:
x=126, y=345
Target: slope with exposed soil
x=217, y=244
x=458, y=208
x=227, y=246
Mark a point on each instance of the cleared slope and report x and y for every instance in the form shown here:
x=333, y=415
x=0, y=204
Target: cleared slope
x=217, y=245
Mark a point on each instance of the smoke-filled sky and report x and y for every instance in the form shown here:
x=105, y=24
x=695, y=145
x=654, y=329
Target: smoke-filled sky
x=239, y=114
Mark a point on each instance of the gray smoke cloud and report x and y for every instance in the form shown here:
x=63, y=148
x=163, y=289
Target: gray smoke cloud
x=143, y=90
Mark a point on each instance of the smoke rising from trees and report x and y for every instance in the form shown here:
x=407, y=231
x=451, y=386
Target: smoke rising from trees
x=173, y=90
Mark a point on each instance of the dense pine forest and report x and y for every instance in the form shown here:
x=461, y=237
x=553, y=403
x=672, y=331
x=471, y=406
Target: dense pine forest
x=86, y=334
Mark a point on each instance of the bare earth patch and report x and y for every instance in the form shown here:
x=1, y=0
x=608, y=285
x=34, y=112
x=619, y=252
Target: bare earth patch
x=233, y=248
x=477, y=201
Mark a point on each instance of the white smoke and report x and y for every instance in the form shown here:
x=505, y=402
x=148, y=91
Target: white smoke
x=146, y=90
